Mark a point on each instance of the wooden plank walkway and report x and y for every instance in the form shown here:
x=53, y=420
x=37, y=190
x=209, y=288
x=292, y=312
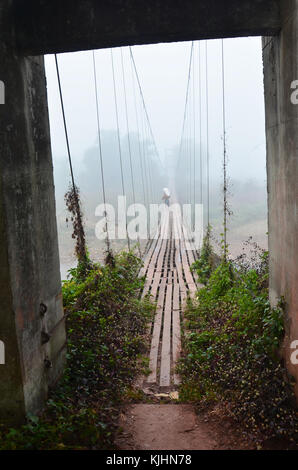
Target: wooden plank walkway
x=168, y=281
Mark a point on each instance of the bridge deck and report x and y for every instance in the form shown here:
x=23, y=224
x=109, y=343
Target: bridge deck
x=168, y=281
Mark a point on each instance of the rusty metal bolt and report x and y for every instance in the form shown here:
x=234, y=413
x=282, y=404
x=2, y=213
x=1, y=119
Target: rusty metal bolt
x=45, y=337
x=42, y=309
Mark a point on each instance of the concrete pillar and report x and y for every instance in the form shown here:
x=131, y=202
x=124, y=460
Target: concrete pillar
x=32, y=328
x=280, y=55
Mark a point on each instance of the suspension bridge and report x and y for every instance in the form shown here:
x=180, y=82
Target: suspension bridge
x=30, y=257
x=168, y=257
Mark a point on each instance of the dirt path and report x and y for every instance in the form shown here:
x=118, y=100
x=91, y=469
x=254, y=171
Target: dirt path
x=160, y=425
x=164, y=427
x=177, y=427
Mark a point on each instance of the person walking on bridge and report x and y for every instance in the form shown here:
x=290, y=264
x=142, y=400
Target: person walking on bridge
x=166, y=196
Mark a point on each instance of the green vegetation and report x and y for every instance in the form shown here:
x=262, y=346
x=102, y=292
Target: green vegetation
x=206, y=263
x=106, y=327
x=232, y=344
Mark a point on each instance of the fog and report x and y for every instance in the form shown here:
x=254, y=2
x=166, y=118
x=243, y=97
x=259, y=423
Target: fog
x=163, y=71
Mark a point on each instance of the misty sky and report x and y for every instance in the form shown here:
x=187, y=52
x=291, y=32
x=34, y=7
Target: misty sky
x=163, y=72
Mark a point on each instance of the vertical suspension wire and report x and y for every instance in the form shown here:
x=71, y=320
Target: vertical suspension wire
x=187, y=153
x=145, y=163
x=145, y=107
x=81, y=235
x=144, y=157
x=200, y=118
x=119, y=141
x=127, y=128
x=225, y=188
x=149, y=161
x=184, y=136
x=140, y=147
x=190, y=151
x=100, y=150
x=138, y=130
x=128, y=140
x=207, y=134
x=150, y=132
x=194, y=136
x=65, y=128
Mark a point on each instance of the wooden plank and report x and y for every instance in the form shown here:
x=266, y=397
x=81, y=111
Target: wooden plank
x=192, y=258
x=176, y=331
x=156, y=335
x=185, y=263
x=158, y=272
x=160, y=265
x=165, y=365
x=191, y=251
x=178, y=263
x=151, y=268
x=149, y=253
x=178, y=259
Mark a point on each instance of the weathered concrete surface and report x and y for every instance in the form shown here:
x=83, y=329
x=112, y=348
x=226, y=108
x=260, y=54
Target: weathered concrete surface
x=280, y=69
x=29, y=261
x=70, y=25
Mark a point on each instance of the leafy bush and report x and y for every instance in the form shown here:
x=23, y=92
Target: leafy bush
x=207, y=261
x=232, y=350
x=106, y=326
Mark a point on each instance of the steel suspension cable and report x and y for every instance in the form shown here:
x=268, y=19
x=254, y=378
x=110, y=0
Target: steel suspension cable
x=65, y=127
x=128, y=140
x=100, y=150
x=225, y=188
x=194, y=136
x=190, y=151
x=127, y=129
x=207, y=137
x=200, y=113
x=148, y=161
x=185, y=109
x=138, y=129
x=144, y=158
x=144, y=105
x=81, y=235
x=119, y=141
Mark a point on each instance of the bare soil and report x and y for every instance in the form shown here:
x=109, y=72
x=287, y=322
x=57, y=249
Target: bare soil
x=177, y=427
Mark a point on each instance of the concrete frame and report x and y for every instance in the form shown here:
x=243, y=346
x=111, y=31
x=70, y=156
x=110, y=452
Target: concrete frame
x=31, y=313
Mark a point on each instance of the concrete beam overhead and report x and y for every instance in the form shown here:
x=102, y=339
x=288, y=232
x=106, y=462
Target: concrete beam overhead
x=44, y=27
